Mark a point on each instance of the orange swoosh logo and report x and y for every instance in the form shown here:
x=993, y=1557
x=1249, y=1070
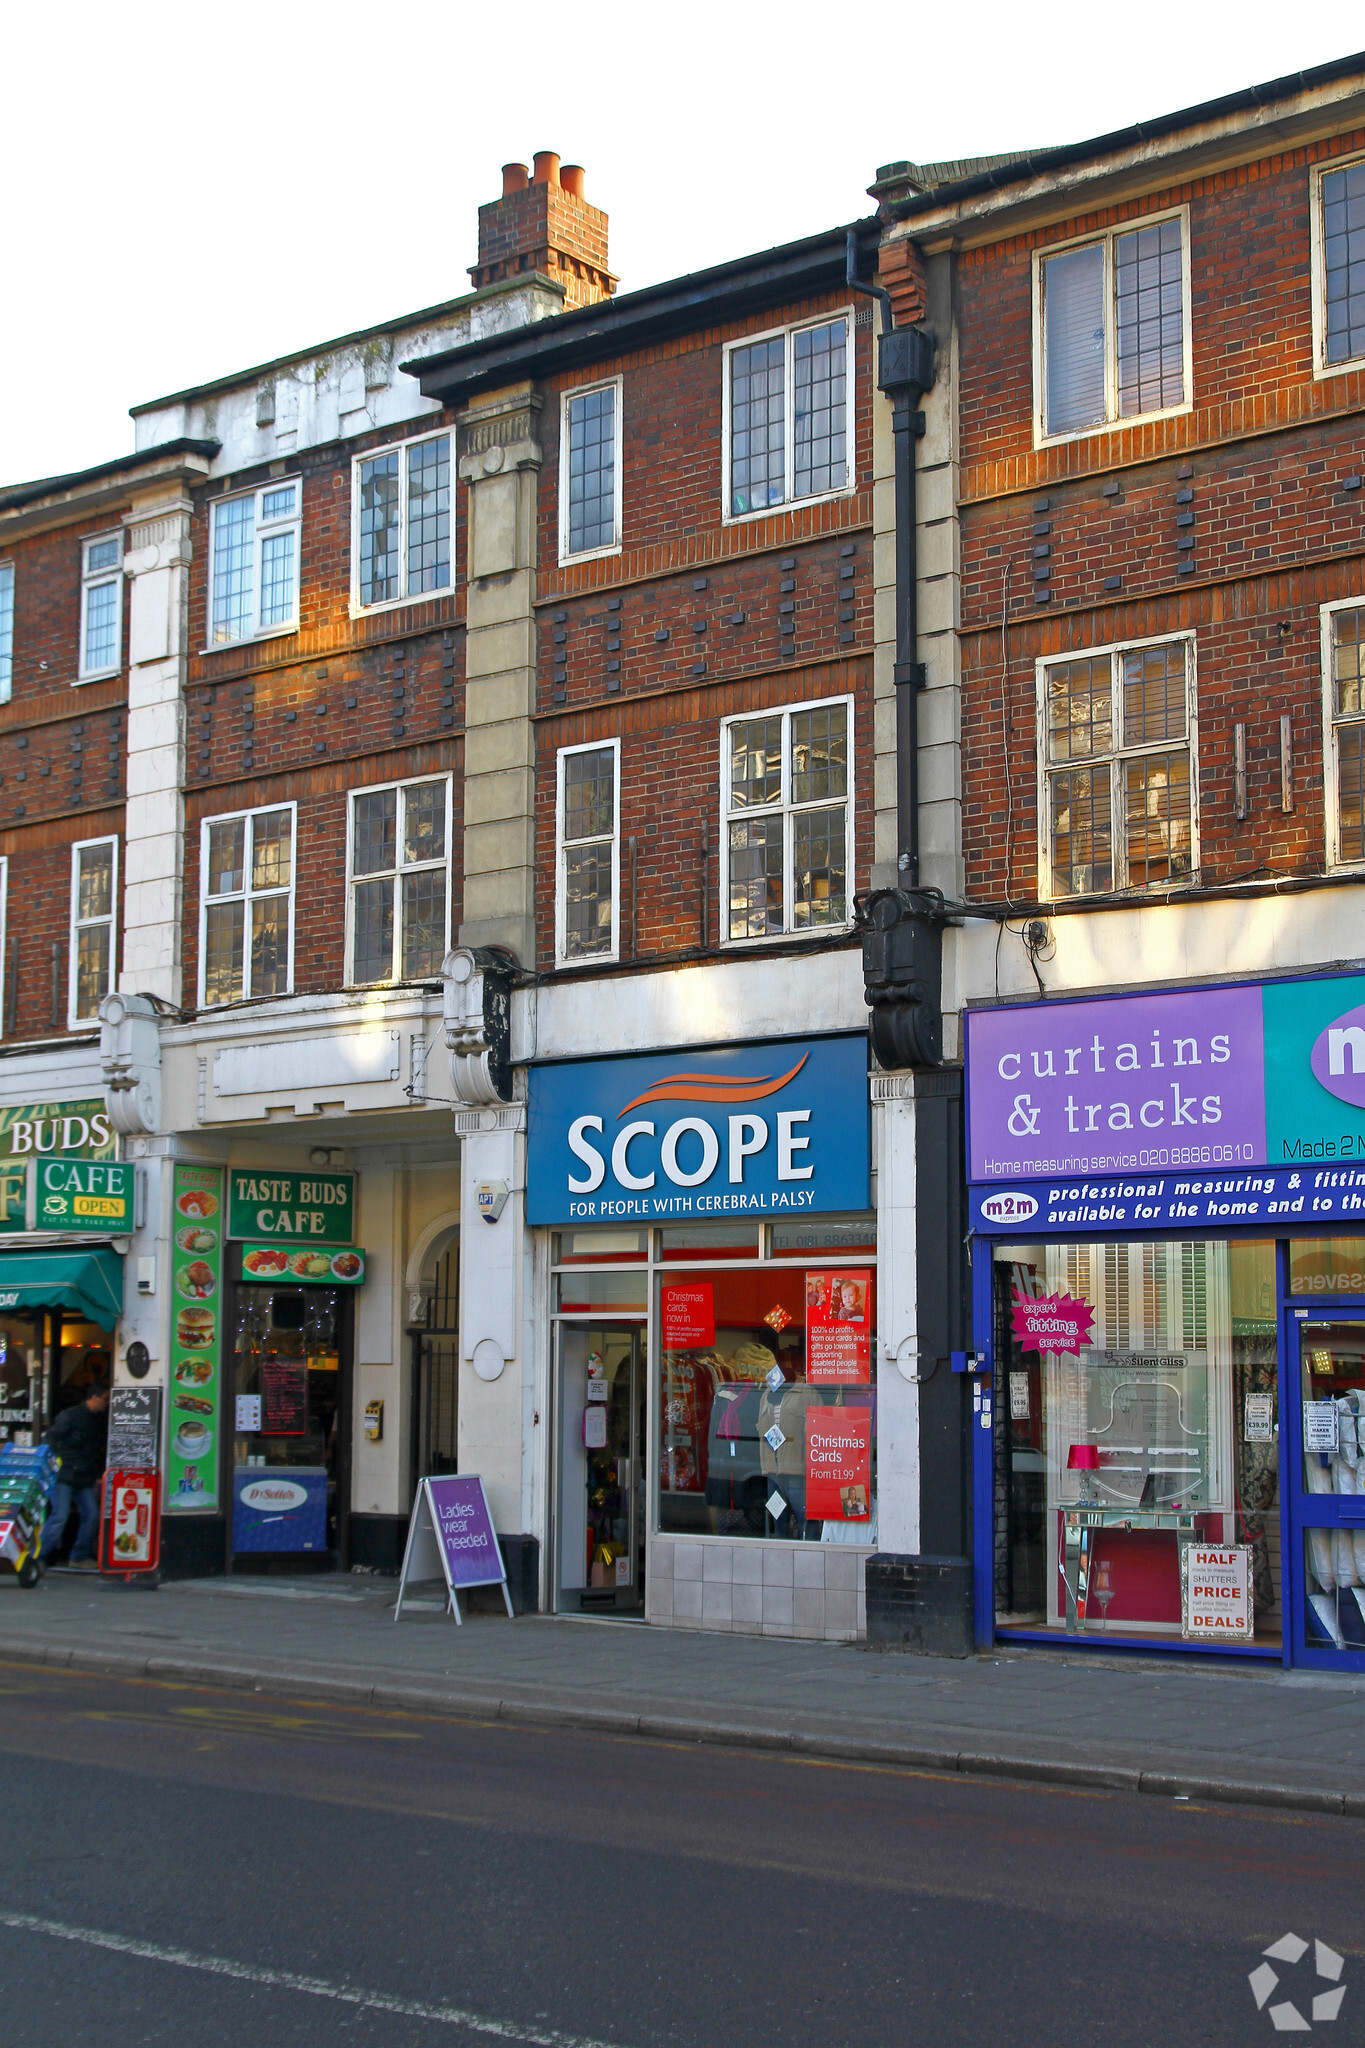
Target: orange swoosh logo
x=715, y=1087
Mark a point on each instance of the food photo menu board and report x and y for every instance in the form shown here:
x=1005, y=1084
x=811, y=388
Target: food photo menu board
x=195, y=1386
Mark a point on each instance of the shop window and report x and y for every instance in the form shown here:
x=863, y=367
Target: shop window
x=401, y=537
x=1112, y=330
x=590, y=471
x=786, y=844
x=254, y=555
x=1327, y=1265
x=398, y=853
x=588, y=828
x=1119, y=803
x=246, y=919
x=1338, y=266
x=766, y=1402
x=6, y=631
x=1156, y=1430
x=1343, y=677
x=598, y=1247
x=788, y=428
x=101, y=651
x=94, y=886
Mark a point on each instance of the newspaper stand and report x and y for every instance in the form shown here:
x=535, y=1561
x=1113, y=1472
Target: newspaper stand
x=27, y=1479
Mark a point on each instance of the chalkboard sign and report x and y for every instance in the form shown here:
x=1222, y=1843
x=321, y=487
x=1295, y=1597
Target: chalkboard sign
x=284, y=1397
x=134, y=1429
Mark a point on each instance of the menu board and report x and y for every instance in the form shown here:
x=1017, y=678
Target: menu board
x=134, y=1429
x=839, y=1328
x=196, y=1315
x=284, y=1397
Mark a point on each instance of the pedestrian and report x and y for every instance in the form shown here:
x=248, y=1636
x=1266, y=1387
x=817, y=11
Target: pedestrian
x=78, y=1436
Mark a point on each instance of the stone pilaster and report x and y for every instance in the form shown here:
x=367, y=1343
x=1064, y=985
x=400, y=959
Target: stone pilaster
x=156, y=562
x=500, y=462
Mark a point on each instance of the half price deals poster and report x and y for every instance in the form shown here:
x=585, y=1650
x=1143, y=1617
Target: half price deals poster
x=839, y=1328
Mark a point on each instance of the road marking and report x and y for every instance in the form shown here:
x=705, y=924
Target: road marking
x=289, y=1980
x=242, y=1721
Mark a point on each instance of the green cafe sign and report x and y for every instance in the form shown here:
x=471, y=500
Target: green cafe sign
x=291, y=1208
x=33, y=1130
x=84, y=1195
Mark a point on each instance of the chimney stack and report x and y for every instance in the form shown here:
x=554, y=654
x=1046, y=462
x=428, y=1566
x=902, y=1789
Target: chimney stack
x=543, y=223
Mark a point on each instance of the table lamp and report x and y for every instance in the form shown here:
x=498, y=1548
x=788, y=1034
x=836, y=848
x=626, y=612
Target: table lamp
x=1085, y=1459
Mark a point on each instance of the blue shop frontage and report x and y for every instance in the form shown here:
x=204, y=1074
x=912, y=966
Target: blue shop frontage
x=1167, y=1216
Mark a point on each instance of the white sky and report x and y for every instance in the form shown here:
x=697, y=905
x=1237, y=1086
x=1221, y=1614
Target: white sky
x=190, y=190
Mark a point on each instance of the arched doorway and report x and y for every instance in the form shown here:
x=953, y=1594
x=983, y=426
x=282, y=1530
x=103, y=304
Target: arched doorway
x=434, y=1331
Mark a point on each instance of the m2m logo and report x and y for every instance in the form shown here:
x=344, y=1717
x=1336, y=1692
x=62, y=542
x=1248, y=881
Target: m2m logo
x=747, y=1134
x=1338, y=1057
x=1009, y=1206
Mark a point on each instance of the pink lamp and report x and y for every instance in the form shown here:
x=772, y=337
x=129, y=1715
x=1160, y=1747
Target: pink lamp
x=1084, y=1458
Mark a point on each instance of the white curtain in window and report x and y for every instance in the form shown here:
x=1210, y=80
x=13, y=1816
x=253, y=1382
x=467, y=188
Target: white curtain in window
x=1073, y=339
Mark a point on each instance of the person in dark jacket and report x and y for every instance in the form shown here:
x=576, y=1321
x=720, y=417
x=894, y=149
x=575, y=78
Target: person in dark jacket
x=78, y=1436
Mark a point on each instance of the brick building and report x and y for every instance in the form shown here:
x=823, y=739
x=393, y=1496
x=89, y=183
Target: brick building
x=1147, y=645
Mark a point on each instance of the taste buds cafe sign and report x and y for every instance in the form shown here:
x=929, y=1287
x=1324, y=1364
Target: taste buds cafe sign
x=763, y=1129
x=291, y=1208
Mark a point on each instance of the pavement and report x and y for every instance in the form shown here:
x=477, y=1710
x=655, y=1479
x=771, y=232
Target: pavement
x=1176, y=1728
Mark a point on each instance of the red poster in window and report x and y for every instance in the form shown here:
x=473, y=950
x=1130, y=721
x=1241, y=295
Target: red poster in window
x=839, y=1328
x=689, y=1316
x=838, y=1464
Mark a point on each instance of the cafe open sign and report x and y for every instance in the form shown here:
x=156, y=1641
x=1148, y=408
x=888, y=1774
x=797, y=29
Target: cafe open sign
x=84, y=1194
x=293, y=1208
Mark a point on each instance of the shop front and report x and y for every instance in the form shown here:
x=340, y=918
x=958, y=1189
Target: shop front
x=713, y=1300
x=1167, y=1201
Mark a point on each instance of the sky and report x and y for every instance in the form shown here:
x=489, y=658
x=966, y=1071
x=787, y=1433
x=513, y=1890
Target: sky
x=193, y=190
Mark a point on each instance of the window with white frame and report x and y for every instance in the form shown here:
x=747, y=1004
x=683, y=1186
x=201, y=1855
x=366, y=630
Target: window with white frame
x=6, y=631
x=788, y=425
x=588, y=829
x=1112, y=337
x=785, y=832
x=94, y=895
x=1339, y=265
x=399, y=858
x=1343, y=676
x=401, y=542
x=101, y=606
x=590, y=471
x=246, y=916
x=1118, y=759
x=254, y=551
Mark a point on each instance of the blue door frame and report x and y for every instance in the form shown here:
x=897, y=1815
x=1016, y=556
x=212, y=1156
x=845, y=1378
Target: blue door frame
x=1299, y=1510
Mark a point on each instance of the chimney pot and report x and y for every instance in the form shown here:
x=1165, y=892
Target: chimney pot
x=514, y=179
x=571, y=178
x=547, y=167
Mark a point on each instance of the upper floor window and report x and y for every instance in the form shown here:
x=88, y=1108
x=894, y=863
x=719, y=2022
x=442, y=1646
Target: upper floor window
x=6, y=1022
x=1112, y=336
x=255, y=554
x=1343, y=676
x=94, y=885
x=785, y=844
x=401, y=541
x=101, y=606
x=399, y=854
x=590, y=471
x=1338, y=220
x=788, y=422
x=6, y=631
x=588, y=831
x=246, y=916
x=1118, y=733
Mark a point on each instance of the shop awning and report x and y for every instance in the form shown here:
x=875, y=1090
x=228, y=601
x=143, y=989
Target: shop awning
x=91, y=1282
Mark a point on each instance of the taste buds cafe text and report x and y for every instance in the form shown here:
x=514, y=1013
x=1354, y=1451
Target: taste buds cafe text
x=316, y=1208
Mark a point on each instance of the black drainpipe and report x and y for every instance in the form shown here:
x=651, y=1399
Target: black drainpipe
x=903, y=927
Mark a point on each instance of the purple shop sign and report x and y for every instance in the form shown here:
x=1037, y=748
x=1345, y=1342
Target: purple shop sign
x=1119, y=1085
x=451, y=1535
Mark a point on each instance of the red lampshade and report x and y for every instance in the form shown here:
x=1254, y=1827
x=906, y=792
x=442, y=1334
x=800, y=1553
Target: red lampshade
x=1083, y=1458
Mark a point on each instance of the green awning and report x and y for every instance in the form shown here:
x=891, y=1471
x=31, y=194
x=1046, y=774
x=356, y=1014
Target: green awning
x=91, y=1282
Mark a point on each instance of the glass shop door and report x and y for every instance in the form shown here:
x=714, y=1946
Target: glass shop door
x=1326, y=1460
x=599, y=1460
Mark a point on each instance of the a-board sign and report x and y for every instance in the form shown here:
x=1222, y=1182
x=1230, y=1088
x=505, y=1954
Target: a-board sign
x=130, y=1537
x=134, y=1429
x=451, y=1537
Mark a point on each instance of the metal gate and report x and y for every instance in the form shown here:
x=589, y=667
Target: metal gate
x=436, y=1369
